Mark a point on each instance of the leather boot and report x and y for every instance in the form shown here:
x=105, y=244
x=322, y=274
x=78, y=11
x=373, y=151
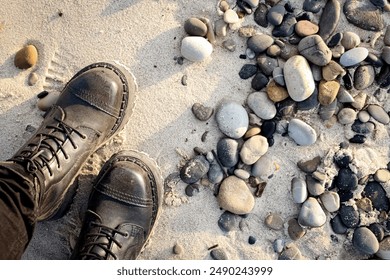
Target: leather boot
x=93, y=107
x=122, y=208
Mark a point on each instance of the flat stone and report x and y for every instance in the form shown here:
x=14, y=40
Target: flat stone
x=227, y=150
x=364, y=76
x=299, y=190
x=195, y=27
x=260, y=15
x=306, y=28
x=234, y=196
x=242, y=174
x=252, y=132
x=329, y=19
x=252, y=3
x=273, y=50
x=314, y=49
x=365, y=204
x=353, y=56
x=276, y=14
x=365, y=241
x=377, y=194
x=363, y=128
x=275, y=92
x=378, y=113
x=194, y=169
x=349, y=216
x=378, y=230
x=331, y=201
x=261, y=105
x=346, y=116
x=295, y=231
x=26, y=57
x=384, y=249
x=332, y=70
x=311, y=214
x=229, y=44
x=178, y=249
x=364, y=14
x=344, y=96
x=382, y=175
x=364, y=116
x=232, y=119
x=260, y=42
x=298, y=77
x=228, y=221
x=350, y=40
x=327, y=92
x=313, y=6
x=195, y=48
x=360, y=100
x=253, y=149
x=335, y=40
x=201, y=112
x=274, y=221
x=314, y=187
x=278, y=245
x=302, y=133
x=309, y=103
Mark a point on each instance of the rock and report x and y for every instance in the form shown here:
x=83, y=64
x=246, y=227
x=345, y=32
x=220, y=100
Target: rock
x=378, y=113
x=267, y=64
x=274, y=221
x=202, y=112
x=365, y=241
x=386, y=38
x=278, y=245
x=311, y=214
x=242, y=174
x=215, y=173
x=232, y=119
x=331, y=201
x=259, y=81
x=326, y=112
x=33, y=79
x=342, y=160
x=285, y=29
x=195, y=48
x=299, y=190
x=384, y=249
x=275, y=92
x=228, y=221
x=309, y=166
x=346, y=116
x=378, y=230
x=195, y=27
x=302, y=133
x=314, y=187
x=295, y=231
x=350, y=40
x=230, y=16
x=264, y=167
x=273, y=51
x=364, y=15
x=386, y=54
x=313, y=6
x=276, y=14
x=358, y=139
x=328, y=92
x=337, y=225
x=194, y=169
x=332, y=70
x=329, y=19
x=346, y=180
x=227, y=150
x=363, y=128
x=298, y=77
x=252, y=3
x=364, y=116
x=259, y=42
x=252, y=132
x=353, y=56
x=314, y=49
x=335, y=40
x=26, y=57
x=278, y=76
x=364, y=77
x=374, y=60
x=192, y=189
x=218, y=254
x=253, y=149
x=230, y=45
x=377, y=194
x=349, y=216
x=344, y=96
x=306, y=28
x=260, y=15
x=360, y=100
x=247, y=71
x=220, y=27
x=261, y=105
x=234, y=196
x=309, y=103
x=383, y=78
x=47, y=100
x=290, y=253
x=382, y=175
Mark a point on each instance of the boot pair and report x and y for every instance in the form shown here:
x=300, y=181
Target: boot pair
x=124, y=204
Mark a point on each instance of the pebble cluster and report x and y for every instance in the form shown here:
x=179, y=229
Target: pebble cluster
x=302, y=66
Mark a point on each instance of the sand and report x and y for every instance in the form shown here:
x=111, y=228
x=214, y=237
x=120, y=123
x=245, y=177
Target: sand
x=145, y=36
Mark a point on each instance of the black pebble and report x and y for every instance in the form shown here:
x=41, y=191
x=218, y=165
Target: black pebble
x=191, y=190
x=378, y=230
x=342, y=161
x=349, y=216
x=252, y=240
x=345, y=195
x=346, y=180
x=348, y=82
x=42, y=94
x=309, y=103
x=358, y=139
x=286, y=29
x=362, y=128
x=383, y=78
x=337, y=225
x=259, y=81
x=260, y=15
x=286, y=107
x=242, y=56
x=377, y=194
x=335, y=40
x=313, y=5
x=228, y=221
x=374, y=60
x=268, y=128
x=271, y=142
x=247, y=71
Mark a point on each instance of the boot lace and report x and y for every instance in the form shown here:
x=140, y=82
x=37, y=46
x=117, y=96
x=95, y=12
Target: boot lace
x=34, y=155
x=103, y=240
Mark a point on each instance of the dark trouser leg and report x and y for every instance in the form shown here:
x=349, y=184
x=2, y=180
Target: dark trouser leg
x=16, y=214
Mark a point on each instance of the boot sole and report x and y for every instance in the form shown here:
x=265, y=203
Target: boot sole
x=128, y=103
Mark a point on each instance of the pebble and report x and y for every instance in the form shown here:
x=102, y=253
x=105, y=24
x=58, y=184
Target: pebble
x=260, y=42
x=384, y=249
x=227, y=150
x=278, y=76
x=358, y=139
x=235, y=196
x=349, y=216
x=338, y=51
x=220, y=27
x=378, y=231
x=232, y=119
x=230, y=16
x=290, y=253
x=327, y=92
x=331, y=201
x=332, y=70
x=264, y=167
x=314, y=187
x=278, y=245
x=383, y=78
x=215, y=173
x=344, y=96
x=314, y=49
x=364, y=14
x=299, y=190
x=242, y=174
x=298, y=77
x=363, y=128
x=346, y=116
x=247, y=71
x=275, y=92
x=306, y=28
x=219, y=254
x=309, y=166
x=302, y=133
x=267, y=64
x=261, y=105
x=229, y=44
x=252, y=132
x=228, y=221
x=378, y=113
x=364, y=116
x=365, y=241
x=350, y=40
x=194, y=169
x=33, y=79
x=311, y=214
x=309, y=103
x=47, y=100
x=386, y=54
x=329, y=19
x=178, y=249
x=364, y=77
x=382, y=175
x=192, y=189
x=287, y=27
x=274, y=221
x=353, y=56
x=26, y=57
x=346, y=180
x=195, y=48
x=252, y=3
x=294, y=229
x=260, y=15
x=259, y=81
x=360, y=100
x=273, y=50
x=374, y=60
x=313, y=6
x=276, y=14
x=253, y=149
x=335, y=40
x=224, y=6
x=386, y=38
x=342, y=160
x=201, y=112
x=250, y=54
x=326, y=112
x=377, y=194
x=252, y=240
x=337, y=225
x=195, y=27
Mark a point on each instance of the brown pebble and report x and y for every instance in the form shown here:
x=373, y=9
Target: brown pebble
x=327, y=92
x=332, y=71
x=274, y=221
x=295, y=231
x=26, y=57
x=309, y=166
x=252, y=132
x=275, y=92
x=306, y=28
